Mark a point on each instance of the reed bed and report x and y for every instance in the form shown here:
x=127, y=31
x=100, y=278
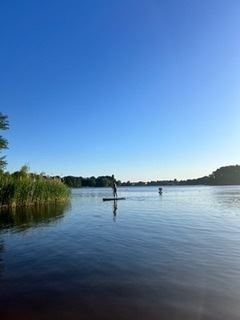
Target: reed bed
x=29, y=190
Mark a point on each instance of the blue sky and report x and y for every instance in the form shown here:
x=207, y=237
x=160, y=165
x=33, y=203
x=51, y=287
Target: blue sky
x=140, y=88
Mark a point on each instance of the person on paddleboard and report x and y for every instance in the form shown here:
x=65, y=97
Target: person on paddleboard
x=114, y=187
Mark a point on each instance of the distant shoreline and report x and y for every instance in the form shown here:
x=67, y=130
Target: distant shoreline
x=161, y=185
x=228, y=175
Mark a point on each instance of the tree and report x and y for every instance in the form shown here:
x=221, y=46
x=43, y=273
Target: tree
x=228, y=175
x=3, y=142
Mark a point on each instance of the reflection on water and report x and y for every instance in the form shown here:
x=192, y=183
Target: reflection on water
x=1, y=260
x=114, y=210
x=227, y=198
x=22, y=218
x=174, y=257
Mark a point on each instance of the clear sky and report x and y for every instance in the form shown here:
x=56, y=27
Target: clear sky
x=143, y=89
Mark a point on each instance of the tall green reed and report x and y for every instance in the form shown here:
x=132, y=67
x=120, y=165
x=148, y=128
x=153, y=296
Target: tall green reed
x=29, y=189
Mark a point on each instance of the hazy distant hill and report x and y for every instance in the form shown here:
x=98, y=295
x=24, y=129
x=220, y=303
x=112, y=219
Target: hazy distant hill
x=228, y=175
x=225, y=176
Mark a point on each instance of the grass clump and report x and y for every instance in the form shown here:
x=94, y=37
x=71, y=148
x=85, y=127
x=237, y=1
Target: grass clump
x=23, y=189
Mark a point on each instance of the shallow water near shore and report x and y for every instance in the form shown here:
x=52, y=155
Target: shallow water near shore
x=171, y=256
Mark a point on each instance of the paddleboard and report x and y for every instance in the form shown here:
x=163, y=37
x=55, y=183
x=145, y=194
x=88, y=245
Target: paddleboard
x=113, y=199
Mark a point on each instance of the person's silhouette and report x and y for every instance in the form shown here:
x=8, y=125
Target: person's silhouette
x=114, y=187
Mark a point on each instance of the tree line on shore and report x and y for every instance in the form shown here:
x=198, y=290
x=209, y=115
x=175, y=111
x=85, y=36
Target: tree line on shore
x=228, y=175
x=78, y=182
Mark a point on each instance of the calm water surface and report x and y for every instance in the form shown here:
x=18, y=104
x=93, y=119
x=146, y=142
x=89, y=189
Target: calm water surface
x=175, y=256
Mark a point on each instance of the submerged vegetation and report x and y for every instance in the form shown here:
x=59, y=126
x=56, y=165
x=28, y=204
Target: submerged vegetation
x=23, y=189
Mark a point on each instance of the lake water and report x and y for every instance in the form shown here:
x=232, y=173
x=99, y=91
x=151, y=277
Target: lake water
x=174, y=256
